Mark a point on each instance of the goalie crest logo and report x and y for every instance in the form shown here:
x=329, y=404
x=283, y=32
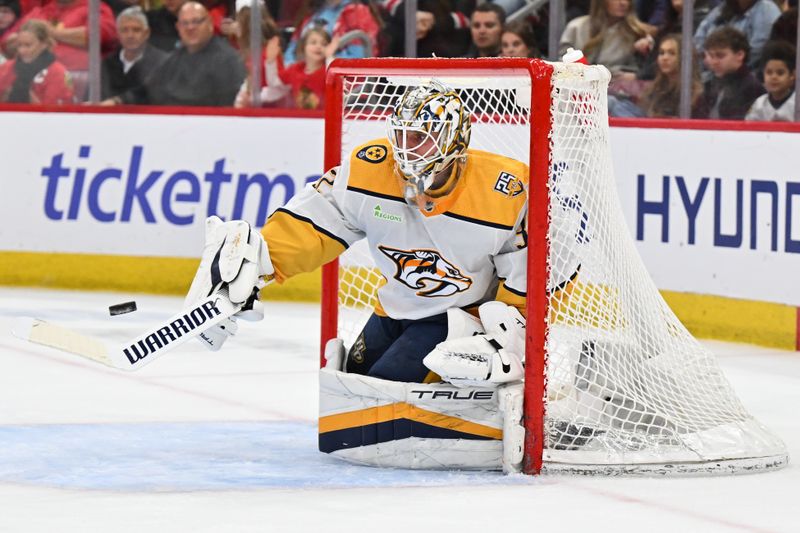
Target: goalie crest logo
x=427, y=271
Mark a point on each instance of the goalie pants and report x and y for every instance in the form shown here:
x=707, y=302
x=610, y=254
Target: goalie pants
x=393, y=349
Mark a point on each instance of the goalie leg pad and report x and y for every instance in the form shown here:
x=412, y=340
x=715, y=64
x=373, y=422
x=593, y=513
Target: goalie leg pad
x=376, y=422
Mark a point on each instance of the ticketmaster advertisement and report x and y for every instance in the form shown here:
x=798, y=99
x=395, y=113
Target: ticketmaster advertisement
x=712, y=212
x=143, y=184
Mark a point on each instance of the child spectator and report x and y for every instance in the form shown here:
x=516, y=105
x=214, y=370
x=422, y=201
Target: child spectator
x=34, y=77
x=518, y=40
x=271, y=48
x=338, y=17
x=779, y=76
x=754, y=18
x=733, y=89
x=306, y=77
x=662, y=98
x=610, y=35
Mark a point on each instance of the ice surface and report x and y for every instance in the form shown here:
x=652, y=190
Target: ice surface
x=202, y=441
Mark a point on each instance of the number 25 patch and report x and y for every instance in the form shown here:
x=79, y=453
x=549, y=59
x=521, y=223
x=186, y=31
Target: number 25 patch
x=509, y=185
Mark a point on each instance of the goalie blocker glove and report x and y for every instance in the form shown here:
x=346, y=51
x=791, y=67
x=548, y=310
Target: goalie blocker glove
x=482, y=359
x=235, y=257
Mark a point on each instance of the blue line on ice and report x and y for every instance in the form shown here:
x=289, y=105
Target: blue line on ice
x=190, y=456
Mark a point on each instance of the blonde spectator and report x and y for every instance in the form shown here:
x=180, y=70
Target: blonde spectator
x=35, y=77
x=68, y=22
x=609, y=35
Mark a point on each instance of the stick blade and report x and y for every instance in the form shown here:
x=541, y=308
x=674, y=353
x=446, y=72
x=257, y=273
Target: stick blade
x=44, y=333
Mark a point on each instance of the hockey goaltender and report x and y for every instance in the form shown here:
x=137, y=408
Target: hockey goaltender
x=427, y=384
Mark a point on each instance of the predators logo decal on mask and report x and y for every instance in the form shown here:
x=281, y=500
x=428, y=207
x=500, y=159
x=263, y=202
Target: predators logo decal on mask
x=427, y=271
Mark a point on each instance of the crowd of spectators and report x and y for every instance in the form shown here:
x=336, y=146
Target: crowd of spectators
x=197, y=53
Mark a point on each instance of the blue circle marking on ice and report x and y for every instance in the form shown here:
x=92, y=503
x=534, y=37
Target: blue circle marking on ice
x=197, y=456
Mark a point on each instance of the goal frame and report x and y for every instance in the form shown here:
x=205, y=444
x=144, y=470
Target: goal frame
x=539, y=157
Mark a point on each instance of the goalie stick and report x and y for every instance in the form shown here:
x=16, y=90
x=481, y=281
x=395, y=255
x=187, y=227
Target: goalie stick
x=143, y=349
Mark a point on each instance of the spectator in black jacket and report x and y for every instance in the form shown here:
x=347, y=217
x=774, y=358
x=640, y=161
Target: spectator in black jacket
x=733, y=88
x=163, y=25
x=204, y=71
x=128, y=67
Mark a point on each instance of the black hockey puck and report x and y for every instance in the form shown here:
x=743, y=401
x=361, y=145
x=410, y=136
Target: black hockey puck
x=121, y=309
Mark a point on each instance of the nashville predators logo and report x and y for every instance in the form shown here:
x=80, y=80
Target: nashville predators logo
x=428, y=271
x=372, y=154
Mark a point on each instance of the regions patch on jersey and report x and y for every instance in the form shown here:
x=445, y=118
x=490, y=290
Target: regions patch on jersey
x=509, y=185
x=372, y=154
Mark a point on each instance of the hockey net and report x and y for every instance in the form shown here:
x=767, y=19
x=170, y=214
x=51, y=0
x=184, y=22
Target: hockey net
x=628, y=389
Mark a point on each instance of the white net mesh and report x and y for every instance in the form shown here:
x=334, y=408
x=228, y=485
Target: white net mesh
x=626, y=383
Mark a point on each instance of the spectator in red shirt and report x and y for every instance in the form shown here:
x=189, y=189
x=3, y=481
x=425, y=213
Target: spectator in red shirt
x=306, y=77
x=35, y=76
x=68, y=21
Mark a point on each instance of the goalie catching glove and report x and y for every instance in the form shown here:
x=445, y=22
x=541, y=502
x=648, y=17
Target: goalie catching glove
x=236, y=265
x=475, y=358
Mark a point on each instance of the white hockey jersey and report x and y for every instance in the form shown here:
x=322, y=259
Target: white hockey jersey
x=470, y=249
x=762, y=109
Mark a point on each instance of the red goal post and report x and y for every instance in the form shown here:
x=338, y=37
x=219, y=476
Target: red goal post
x=614, y=384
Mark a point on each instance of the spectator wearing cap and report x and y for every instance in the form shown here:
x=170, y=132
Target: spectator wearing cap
x=68, y=20
x=486, y=28
x=204, y=71
x=163, y=23
x=136, y=59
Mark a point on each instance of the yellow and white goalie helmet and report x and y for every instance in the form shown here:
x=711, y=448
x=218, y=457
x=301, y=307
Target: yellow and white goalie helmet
x=429, y=132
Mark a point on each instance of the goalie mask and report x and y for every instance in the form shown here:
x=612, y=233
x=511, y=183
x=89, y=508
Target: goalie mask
x=429, y=132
